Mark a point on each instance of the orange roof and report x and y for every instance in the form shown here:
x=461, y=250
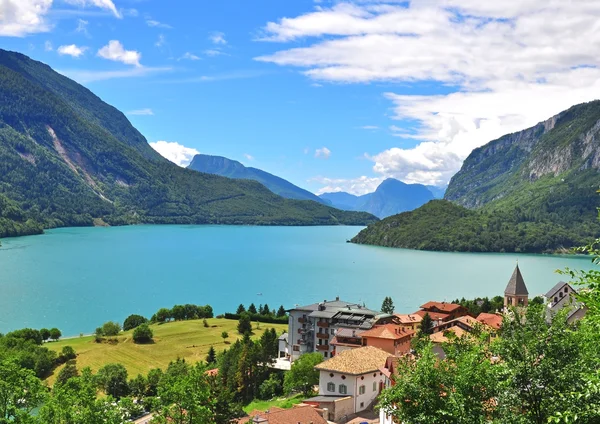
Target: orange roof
x=442, y=306
x=493, y=320
x=409, y=318
x=212, y=372
x=388, y=331
x=436, y=316
x=440, y=338
x=304, y=414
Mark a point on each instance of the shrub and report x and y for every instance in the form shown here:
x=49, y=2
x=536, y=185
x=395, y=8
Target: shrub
x=142, y=334
x=133, y=321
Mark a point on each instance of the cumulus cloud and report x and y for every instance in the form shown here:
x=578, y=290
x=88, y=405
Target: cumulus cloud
x=141, y=112
x=323, y=153
x=507, y=65
x=115, y=51
x=102, y=4
x=217, y=38
x=21, y=17
x=175, y=152
x=357, y=186
x=71, y=50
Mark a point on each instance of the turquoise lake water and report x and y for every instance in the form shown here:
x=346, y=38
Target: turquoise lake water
x=77, y=278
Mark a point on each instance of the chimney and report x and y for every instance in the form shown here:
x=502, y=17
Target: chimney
x=337, y=298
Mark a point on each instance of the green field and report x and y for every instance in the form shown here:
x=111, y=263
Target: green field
x=263, y=405
x=181, y=339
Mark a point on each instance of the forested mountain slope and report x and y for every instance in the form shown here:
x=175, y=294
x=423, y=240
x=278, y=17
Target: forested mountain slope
x=531, y=191
x=67, y=158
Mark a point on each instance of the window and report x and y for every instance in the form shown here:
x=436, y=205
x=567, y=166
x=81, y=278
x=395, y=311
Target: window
x=560, y=295
x=330, y=387
x=555, y=299
x=332, y=332
x=362, y=404
x=343, y=389
x=361, y=390
x=325, y=354
x=566, y=290
x=374, y=386
x=296, y=348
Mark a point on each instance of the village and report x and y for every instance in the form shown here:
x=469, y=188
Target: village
x=360, y=348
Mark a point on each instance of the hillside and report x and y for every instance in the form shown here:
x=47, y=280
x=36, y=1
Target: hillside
x=390, y=197
x=531, y=191
x=69, y=159
x=224, y=167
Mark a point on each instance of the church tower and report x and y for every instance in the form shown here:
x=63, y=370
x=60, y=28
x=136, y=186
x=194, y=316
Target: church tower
x=516, y=293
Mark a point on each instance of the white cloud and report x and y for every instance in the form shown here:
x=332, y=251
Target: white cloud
x=214, y=52
x=162, y=41
x=357, y=186
x=156, y=24
x=21, y=17
x=508, y=65
x=175, y=152
x=189, y=56
x=323, y=153
x=217, y=38
x=115, y=51
x=248, y=157
x=71, y=50
x=48, y=46
x=141, y=112
x=369, y=127
x=82, y=27
x=84, y=76
x=102, y=4
x=133, y=13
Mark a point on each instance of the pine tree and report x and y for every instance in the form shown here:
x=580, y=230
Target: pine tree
x=387, y=307
x=266, y=310
x=211, y=358
x=240, y=309
x=426, y=326
x=252, y=308
x=281, y=311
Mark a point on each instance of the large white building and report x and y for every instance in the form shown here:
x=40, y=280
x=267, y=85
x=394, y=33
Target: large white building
x=312, y=327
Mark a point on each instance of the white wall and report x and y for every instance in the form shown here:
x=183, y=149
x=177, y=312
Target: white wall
x=352, y=383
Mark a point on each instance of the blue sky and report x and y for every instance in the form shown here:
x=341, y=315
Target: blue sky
x=331, y=95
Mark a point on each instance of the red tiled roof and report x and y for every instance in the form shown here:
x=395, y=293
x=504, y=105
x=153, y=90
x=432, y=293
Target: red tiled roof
x=493, y=320
x=442, y=306
x=212, y=372
x=436, y=316
x=304, y=414
x=439, y=337
x=409, y=318
x=388, y=331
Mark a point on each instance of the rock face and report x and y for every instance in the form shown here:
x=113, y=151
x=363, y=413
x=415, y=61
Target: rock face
x=390, y=198
x=224, y=167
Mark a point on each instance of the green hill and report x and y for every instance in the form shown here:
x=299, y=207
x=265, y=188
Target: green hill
x=531, y=191
x=69, y=159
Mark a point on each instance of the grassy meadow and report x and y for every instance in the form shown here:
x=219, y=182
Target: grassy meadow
x=179, y=339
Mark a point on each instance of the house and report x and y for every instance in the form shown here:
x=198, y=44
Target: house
x=409, y=321
x=388, y=370
x=392, y=338
x=301, y=414
x=283, y=346
x=353, y=379
x=466, y=323
x=491, y=320
x=441, y=337
x=311, y=328
x=345, y=339
x=440, y=312
x=562, y=295
x=516, y=293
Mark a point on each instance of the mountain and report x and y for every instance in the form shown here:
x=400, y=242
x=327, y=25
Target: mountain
x=437, y=191
x=224, y=167
x=391, y=197
x=531, y=191
x=67, y=158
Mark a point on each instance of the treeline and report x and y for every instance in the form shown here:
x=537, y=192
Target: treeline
x=487, y=305
x=182, y=313
x=262, y=314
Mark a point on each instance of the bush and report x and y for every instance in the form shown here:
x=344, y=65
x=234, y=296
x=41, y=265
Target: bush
x=271, y=387
x=55, y=334
x=133, y=321
x=142, y=334
x=111, y=329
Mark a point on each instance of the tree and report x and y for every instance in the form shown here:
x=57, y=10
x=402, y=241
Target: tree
x=67, y=353
x=68, y=372
x=387, y=307
x=244, y=324
x=20, y=393
x=133, y=321
x=271, y=387
x=426, y=325
x=45, y=333
x=260, y=309
x=266, y=310
x=240, y=309
x=112, y=379
x=55, y=334
x=178, y=312
x=211, y=357
x=224, y=336
x=303, y=376
x=153, y=379
x=142, y=334
x=281, y=312
x=138, y=387
x=163, y=315
x=111, y=329
x=252, y=309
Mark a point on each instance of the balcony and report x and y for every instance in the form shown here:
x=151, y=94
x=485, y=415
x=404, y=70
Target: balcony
x=324, y=324
x=323, y=336
x=323, y=348
x=302, y=320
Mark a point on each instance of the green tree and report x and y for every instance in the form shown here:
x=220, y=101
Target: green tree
x=178, y=312
x=211, y=357
x=252, y=309
x=142, y=334
x=266, y=310
x=67, y=353
x=271, y=387
x=302, y=376
x=281, y=312
x=55, y=334
x=69, y=371
x=133, y=321
x=20, y=393
x=45, y=333
x=240, y=309
x=244, y=324
x=387, y=307
x=112, y=379
x=153, y=379
x=163, y=315
x=111, y=329
x=426, y=325
x=224, y=336
x=138, y=387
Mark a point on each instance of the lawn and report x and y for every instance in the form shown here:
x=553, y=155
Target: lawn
x=181, y=339
x=263, y=405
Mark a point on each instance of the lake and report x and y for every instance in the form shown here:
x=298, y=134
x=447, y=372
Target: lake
x=77, y=278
